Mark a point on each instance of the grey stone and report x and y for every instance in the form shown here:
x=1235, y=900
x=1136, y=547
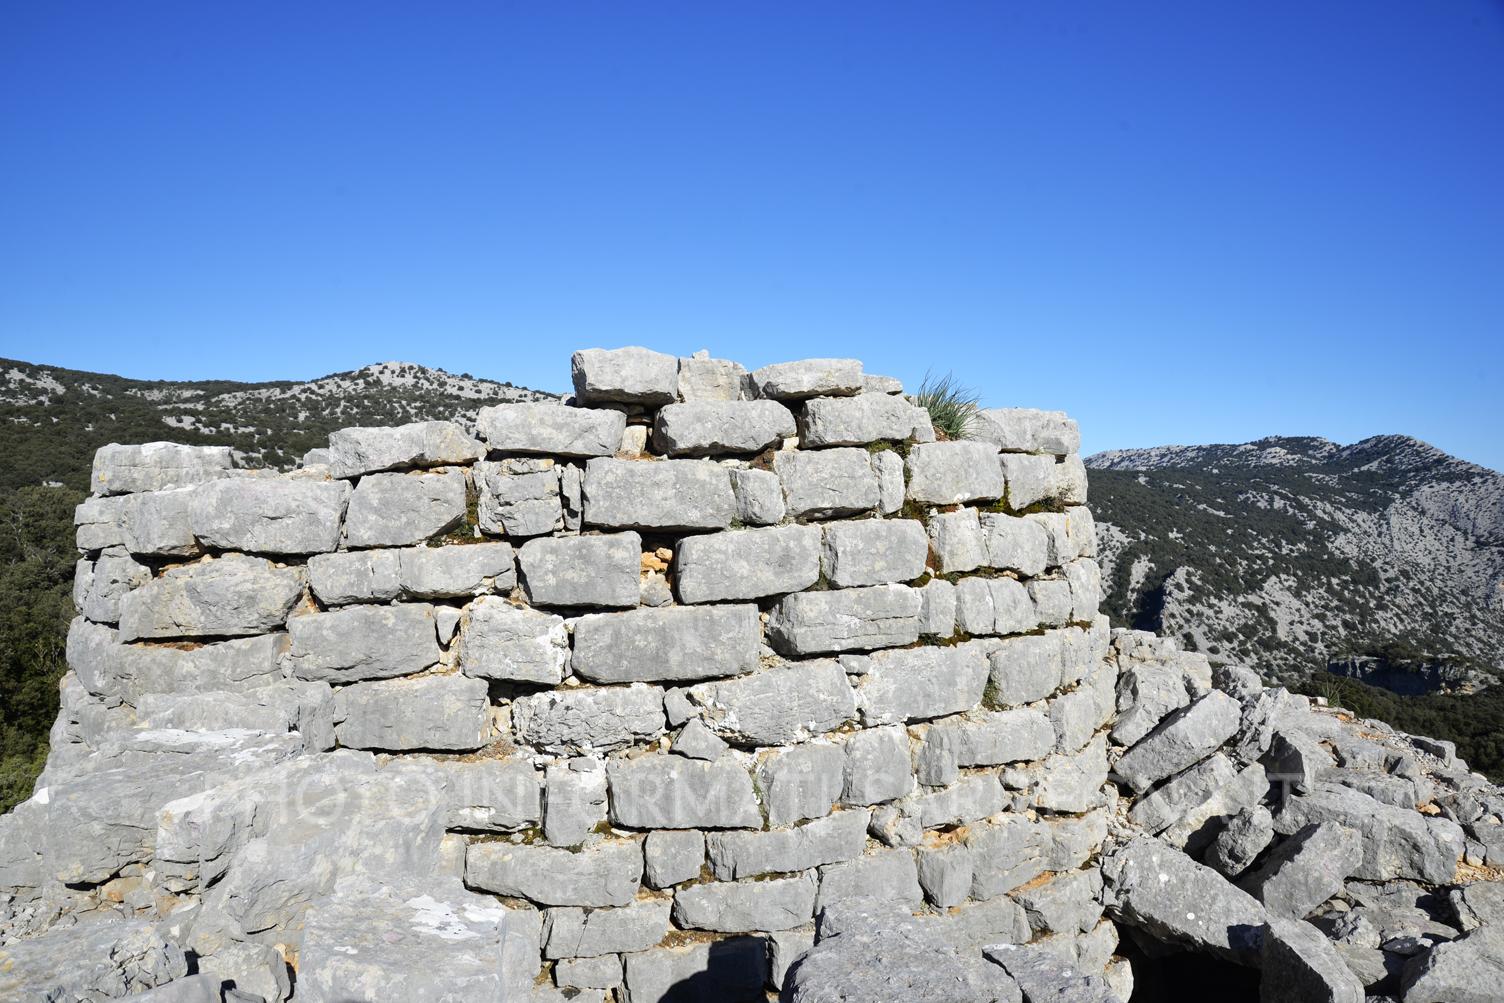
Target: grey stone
x=595, y=719
x=1024, y=669
x=1147, y=694
x=801, y=782
x=363, y=642
x=746, y=907
x=697, y=741
x=230, y=596
x=915, y=684
x=877, y=766
x=886, y=874
x=306, y=708
x=1478, y=904
x=574, y=800
x=1297, y=963
x=395, y=510
x=1007, y=853
x=713, y=428
x=1085, y=578
x=100, y=523
x=707, y=379
x=937, y=610
x=1199, y=827
x=671, y=792
x=986, y=606
x=519, y=497
x=160, y=523
x=1053, y=603
x=784, y=948
x=826, y=482
x=675, y=643
x=482, y=795
x=507, y=642
x=598, y=875
x=578, y=933
x=604, y=972
x=1181, y=740
x=572, y=495
x=957, y=540
x=456, y=571
x=255, y=969
x=269, y=515
x=1069, y=481
x=951, y=473
x=1296, y=759
x=1024, y=430
x=111, y=577
x=1064, y=782
x=1069, y=534
x=778, y=706
x=630, y=375
x=888, y=468
x=1031, y=479
x=672, y=856
x=747, y=563
x=1156, y=888
x=732, y=970
x=1043, y=975
x=856, y=421
x=809, y=378
x=1067, y=903
x=551, y=430
x=837, y=837
x=356, y=576
x=1017, y=544
x=759, y=497
x=654, y=590
x=945, y=874
x=661, y=495
x=591, y=571
x=156, y=465
x=874, y=551
x=1306, y=869
x=1397, y=842
x=1171, y=802
x=1241, y=840
x=432, y=712
x=357, y=451
x=812, y=623
x=1470, y=969
x=992, y=738
x=89, y=961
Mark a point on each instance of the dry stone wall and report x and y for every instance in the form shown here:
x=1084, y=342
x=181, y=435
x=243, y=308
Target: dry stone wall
x=613, y=698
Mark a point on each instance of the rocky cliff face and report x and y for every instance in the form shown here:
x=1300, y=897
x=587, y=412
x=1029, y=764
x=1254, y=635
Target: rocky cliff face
x=1287, y=553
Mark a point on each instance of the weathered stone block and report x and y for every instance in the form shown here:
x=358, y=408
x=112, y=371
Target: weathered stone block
x=602, y=572
x=747, y=563
x=588, y=718
x=1025, y=669
x=890, y=875
x=702, y=378
x=675, y=643
x=945, y=874
x=156, y=465
x=580, y=933
x=778, y=706
x=630, y=375
x=992, y=738
x=600, y=875
x=395, y=510
x=837, y=837
x=746, y=907
x=1024, y=430
x=363, y=642
x=759, y=497
x=230, y=596
x=800, y=782
x=888, y=467
x=519, y=497
x=856, y=421
x=1031, y=479
x=1071, y=533
x=356, y=576
x=1182, y=740
x=950, y=473
x=809, y=378
x=434, y=712
x=874, y=551
x=714, y=428
x=574, y=801
x=937, y=609
x=1306, y=869
x=1007, y=852
x=731, y=969
x=451, y=572
x=915, y=684
x=507, y=642
x=826, y=482
x=877, y=766
x=957, y=540
x=671, y=792
x=357, y=451
x=110, y=578
x=278, y=515
x=879, y=616
x=661, y=495
x=604, y=972
x=551, y=430
x=1016, y=544
x=672, y=856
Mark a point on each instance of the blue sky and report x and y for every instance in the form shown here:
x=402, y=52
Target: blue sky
x=1182, y=222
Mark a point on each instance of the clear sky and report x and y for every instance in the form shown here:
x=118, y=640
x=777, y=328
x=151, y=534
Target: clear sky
x=1182, y=222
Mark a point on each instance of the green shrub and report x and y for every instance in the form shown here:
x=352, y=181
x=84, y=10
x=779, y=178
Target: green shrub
x=952, y=407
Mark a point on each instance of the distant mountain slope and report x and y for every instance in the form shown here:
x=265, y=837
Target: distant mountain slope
x=1288, y=553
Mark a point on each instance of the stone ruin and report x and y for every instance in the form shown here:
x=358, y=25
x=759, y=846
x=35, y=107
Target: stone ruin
x=706, y=685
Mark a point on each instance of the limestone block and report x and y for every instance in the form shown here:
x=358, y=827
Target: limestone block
x=395, y=510
x=916, y=684
x=856, y=421
x=714, y=428
x=600, y=572
x=950, y=473
x=574, y=800
x=1297, y=963
x=877, y=766
x=1176, y=798
x=599, y=875
x=747, y=563
x=803, y=781
x=595, y=719
x=672, y=856
x=1306, y=869
x=746, y=906
x=551, y=430
x=356, y=451
x=674, y=643
x=777, y=706
x=671, y=792
x=356, y=576
x=363, y=642
x=502, y=641
x=730, y=969
x=624, y=375
x=1016, y=544
x=937, y=610
x=455, y=571
x=1052, y=601
x=742, y=854
x=571, y=932
x=873, y=551
x=759, y=497
x=604, y=972
x=110, y=579
x=888, y=466
x=992, y=738
x=890, y=875
x=1071, y=534
x=1025, y=668
x=859, y=619
x=100, y=523
x=1245, y=836
x=269, y=515
x=945, y=874
x=1070, y=481
x=231, y=596
x=1085, y=579
x=1024, y=430
x=809, y=378
x=1007, y=853
x=1182, y=740
x=707, y=379
x=826, y=482
x=156, y=465
x=697, y=741
x=484, y=795
x=90, y=961
x=661, y=495
x=958, y=541
x=432, y=712
x=1031, y=479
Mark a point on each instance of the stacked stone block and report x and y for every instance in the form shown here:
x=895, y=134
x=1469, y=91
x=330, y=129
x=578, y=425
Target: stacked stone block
x=662, y=674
